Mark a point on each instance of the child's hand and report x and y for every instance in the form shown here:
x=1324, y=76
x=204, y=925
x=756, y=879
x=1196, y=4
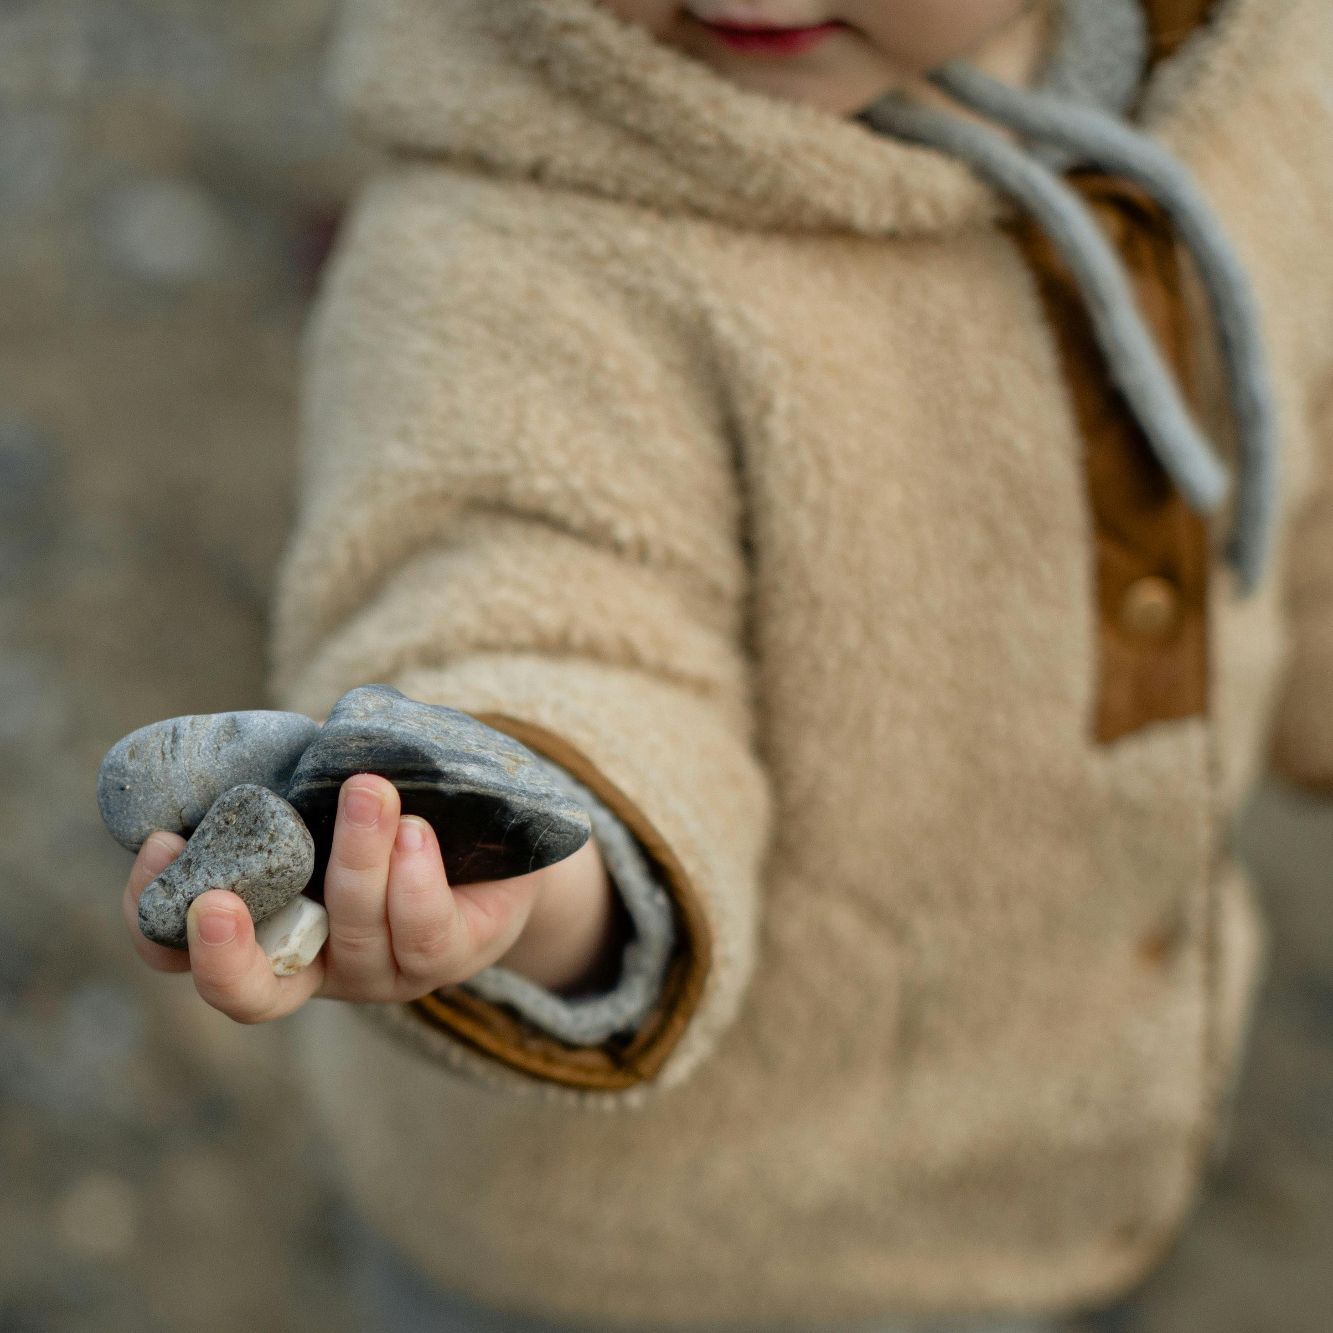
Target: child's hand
x=397, y=930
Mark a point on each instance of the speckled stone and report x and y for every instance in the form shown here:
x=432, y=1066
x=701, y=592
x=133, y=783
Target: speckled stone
x=251, y=842
x=166, y=775
x=494, y=810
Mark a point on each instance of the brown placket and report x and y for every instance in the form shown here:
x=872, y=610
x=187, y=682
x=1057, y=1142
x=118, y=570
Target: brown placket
x=1151, y=551
x=1170, y=22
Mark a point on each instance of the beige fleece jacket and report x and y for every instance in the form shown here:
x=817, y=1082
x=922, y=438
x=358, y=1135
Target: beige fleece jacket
x=718, y=448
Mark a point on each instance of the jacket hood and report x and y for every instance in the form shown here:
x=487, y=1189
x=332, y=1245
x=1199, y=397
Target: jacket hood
x=567, y=92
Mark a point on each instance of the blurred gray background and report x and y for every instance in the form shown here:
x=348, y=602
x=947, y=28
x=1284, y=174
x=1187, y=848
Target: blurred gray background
x=170, y=179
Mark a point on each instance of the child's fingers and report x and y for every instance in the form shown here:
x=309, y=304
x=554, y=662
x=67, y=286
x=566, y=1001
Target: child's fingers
x=430, y=940
x=159, y=850
x=496, y=910
x=443, y=935
x=360, y=957
x=231, y=971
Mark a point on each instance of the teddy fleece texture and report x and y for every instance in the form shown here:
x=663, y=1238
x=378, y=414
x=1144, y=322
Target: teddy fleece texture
x=1098, y=52
x=723, y=443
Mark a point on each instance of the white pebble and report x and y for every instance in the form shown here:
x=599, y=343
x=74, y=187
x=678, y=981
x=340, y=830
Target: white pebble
x=293, y=935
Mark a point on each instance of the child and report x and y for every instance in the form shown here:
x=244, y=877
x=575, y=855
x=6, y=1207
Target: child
x=884, y=468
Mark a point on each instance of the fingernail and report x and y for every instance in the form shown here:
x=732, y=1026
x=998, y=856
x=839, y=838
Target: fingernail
x=217, y=927
x=411, y=836
x=158, y=854
x=362, y=806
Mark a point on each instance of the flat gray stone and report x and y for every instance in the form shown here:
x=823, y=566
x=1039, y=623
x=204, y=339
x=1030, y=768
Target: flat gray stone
x=492, y=805
x=251, y=842
x=166, y=775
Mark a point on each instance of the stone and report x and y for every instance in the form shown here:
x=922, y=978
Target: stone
x=495, y=811
x=252, y=842
x=293, y=935
x=164, y=230
x=166, y=775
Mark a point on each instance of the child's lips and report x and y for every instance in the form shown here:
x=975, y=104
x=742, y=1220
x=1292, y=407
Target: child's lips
x=770, y=40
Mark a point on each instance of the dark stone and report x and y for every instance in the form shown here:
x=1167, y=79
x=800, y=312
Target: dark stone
x=251, y=842
x=166, y=775
x=493, y=808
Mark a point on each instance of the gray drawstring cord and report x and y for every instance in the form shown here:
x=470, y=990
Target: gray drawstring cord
x=1093, y=136
x=1128, y=346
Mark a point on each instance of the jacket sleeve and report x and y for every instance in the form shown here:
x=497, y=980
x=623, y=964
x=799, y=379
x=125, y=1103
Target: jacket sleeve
x=586, y=1020
x=516, y=497
x=1302, y=736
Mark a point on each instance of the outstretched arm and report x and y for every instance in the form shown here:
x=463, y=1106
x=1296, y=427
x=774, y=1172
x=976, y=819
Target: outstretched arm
x=518, y=500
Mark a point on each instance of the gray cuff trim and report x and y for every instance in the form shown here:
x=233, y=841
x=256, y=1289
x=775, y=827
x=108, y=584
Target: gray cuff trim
x=589, y=1020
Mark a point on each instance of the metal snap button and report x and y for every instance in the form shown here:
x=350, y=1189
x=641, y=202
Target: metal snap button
x=1159, y=945
x=1150, y=607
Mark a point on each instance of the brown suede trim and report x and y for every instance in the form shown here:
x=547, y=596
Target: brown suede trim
x=1170, y=22
x=619, y=1062
x=1147, y=540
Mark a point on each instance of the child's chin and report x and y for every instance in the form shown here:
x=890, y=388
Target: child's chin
x=838, y=85
x=837, y=98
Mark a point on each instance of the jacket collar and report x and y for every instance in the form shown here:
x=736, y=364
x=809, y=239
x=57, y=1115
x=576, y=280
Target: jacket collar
x=566, y=92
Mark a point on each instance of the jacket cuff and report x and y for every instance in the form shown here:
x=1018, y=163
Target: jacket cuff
x=589, y=1020
x=489, y=1043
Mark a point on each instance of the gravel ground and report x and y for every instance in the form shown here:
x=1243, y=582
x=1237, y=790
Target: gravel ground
x=169, y=179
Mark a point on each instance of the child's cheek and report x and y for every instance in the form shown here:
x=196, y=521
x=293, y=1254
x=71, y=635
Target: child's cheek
x=919, y=35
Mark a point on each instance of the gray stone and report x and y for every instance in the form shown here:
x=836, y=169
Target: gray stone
x=166, y=775
x=164, y=230
x=492, y=805
x=250, y=842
